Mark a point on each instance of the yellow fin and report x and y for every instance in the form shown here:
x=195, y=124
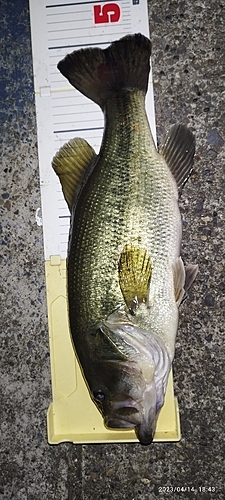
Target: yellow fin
x=70, y=163
x=134, y=275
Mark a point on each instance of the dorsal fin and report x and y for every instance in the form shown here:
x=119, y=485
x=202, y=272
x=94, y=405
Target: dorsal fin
x=178, y=149
x=70, y=163
x=134, y=275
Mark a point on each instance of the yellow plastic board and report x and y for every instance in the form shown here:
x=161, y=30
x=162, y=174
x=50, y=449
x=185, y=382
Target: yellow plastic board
x=72, y=416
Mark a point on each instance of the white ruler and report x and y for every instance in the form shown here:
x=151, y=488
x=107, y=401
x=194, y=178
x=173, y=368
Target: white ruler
x=58, y=28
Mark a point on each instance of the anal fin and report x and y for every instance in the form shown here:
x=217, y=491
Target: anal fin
x=70, y=163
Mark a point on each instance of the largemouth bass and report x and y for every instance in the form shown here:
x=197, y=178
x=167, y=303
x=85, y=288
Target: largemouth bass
x=125, y=275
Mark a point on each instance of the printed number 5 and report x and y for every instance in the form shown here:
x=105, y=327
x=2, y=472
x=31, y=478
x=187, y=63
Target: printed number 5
x=108, y=13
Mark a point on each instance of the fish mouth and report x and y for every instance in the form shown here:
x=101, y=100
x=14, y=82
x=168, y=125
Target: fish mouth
x=143, y=431
x=124, y=413
x=144, y=434
x=118, y=424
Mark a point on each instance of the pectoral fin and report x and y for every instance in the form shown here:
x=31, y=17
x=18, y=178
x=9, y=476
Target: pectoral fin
x=178, y=149
x=70, y=163
x=134, y=275
x=183, y=278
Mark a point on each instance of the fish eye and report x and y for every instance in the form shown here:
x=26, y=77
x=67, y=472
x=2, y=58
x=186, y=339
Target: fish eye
x=99, y=395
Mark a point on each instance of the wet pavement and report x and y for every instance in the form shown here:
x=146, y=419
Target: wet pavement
x=188, y=71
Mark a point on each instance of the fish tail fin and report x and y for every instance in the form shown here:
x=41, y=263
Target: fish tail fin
x=98, y=73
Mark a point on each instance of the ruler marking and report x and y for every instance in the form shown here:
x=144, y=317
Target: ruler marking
x=73, y=3
x=76, y=130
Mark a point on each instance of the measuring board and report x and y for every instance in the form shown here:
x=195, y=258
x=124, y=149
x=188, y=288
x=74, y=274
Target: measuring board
x=58, y=28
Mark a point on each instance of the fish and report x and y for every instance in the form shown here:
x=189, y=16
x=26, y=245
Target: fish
x=125, y=276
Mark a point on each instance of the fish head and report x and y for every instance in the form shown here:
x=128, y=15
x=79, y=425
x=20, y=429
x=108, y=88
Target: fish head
x=137, y=409
x=123, y=375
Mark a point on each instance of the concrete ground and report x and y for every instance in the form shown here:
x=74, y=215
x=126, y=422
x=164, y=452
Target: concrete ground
x=188, y=64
